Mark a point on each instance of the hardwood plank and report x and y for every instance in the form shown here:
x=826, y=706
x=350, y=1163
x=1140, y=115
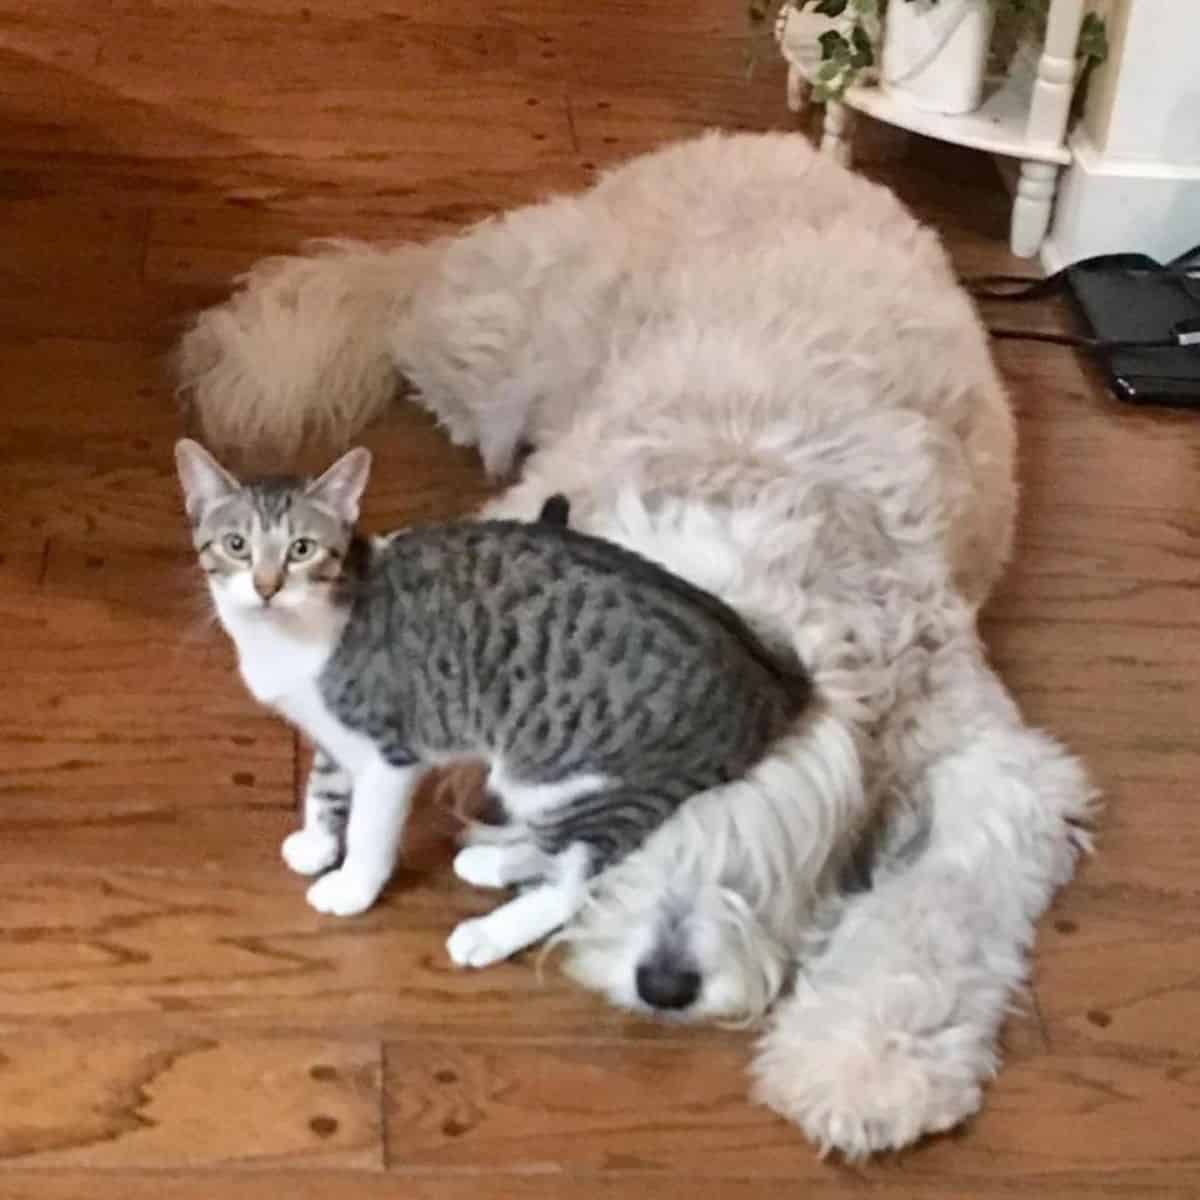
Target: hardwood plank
x=680, y=17
x=176, y=723
x=1080, y=447
x=570, y=1108
x=185, y=826
x=108, y=1101
x=81, y=389
x=1179, y=1183
x=834, y=1183
x=329, y=124
x=1148, y=831
x=103, y=245
x=1117, y=976
x=1117, y=688
x=1104, y=563
x=204, y=243
x=218, y=948
x=612, y=122
x=1104, y=1114
x=173, y=54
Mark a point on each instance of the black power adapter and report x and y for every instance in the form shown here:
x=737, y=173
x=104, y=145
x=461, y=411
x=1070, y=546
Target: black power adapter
x=1143, y=319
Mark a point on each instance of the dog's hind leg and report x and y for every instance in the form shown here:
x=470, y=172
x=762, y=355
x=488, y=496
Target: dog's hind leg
x=511, y=324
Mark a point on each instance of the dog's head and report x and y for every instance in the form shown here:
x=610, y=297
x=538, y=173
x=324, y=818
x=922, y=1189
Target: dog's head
x=707, y=919
x=684, y=948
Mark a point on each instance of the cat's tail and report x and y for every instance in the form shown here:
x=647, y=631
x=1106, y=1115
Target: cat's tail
x=301, y=348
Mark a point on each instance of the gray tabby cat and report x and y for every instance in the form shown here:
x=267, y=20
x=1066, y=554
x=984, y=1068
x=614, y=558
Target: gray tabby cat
x=601, y=690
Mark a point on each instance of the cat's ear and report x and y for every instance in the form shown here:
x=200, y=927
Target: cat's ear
x=342, y=486
x=203, y=479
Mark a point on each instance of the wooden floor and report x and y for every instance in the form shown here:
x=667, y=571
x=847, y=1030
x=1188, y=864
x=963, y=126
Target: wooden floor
x=175, y=1024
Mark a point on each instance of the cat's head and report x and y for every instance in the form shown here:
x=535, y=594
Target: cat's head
x=273, y=545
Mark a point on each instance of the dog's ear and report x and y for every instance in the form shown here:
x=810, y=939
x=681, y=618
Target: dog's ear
x=555, y=511
x=203, y=479
x=342, y=486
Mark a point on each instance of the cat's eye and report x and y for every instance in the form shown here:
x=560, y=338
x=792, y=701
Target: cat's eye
x=234, y=544
x=301, y=549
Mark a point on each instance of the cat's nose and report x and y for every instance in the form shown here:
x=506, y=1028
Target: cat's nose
x=661, y=985
x=267, y=583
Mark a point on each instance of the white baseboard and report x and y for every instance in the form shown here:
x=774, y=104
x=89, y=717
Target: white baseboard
x=1106, y=206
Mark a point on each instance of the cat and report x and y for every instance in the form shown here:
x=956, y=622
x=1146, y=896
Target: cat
x=600, y=689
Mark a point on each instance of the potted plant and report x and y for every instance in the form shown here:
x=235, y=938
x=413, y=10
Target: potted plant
x=932, y=52
x=935, y=52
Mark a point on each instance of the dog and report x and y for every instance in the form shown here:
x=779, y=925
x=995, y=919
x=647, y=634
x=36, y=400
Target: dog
x=742, y=360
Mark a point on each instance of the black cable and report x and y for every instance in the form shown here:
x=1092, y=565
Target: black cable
x=1099, y=345
x=1185, y=267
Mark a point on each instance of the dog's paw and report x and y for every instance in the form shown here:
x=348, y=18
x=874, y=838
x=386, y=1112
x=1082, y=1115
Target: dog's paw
x=481, y=866
x=471, y=945
x=858, y=1087
x=342, y=893
x=310, y=851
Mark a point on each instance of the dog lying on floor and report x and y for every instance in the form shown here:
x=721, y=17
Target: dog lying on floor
x=738, y=358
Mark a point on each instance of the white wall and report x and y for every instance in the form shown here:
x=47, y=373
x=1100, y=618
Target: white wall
x=1135, y=184
x=1149, y=106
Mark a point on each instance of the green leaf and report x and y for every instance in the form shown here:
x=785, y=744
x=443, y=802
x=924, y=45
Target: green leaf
x=863, y=54
x=833, y=46
x=1093, y=38
x=831, y=8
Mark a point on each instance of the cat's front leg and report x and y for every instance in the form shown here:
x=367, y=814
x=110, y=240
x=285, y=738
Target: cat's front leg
x=382, y=798
x=316, y=847
x=532, y=916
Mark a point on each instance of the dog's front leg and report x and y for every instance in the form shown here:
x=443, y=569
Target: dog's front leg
x=891, y=1031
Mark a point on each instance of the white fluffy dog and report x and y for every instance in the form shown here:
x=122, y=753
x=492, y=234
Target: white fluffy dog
x=756, y=367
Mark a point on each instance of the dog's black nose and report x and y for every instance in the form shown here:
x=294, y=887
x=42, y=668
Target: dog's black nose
x=662, y=986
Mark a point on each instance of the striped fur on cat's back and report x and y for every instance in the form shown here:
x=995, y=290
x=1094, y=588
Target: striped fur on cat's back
x=555, y=655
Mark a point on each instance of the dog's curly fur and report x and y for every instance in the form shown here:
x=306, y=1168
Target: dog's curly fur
x=740, y=359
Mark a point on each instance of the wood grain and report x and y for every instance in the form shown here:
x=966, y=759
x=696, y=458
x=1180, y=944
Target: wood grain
x=835, y=1183
x=105, y=1101
x=576, y=1108
x=217, y=949
x=1143, y=571
x=175, y=1023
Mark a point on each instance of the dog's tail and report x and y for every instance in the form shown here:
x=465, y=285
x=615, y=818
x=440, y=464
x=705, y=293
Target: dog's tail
x=302, y=347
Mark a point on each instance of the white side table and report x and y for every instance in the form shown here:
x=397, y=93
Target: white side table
x=1023, y=116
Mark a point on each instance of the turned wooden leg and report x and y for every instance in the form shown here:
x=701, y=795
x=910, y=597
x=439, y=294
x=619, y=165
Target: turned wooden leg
x=797, y=90
x=1031, y=209
x=837, y=132
x=1049, y=110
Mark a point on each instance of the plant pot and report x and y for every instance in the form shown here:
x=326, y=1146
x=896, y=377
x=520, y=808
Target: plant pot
x=935, y=53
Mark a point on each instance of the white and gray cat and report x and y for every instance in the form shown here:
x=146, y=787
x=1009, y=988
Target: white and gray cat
x=601, y=690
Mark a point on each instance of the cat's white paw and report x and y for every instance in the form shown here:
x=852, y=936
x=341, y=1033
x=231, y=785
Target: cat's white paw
x=481, y=866
x=343, y=893
x=310, y=851
x=471, y=945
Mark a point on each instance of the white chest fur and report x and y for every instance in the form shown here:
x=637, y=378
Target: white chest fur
x=280, y=665
x=305, y=708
